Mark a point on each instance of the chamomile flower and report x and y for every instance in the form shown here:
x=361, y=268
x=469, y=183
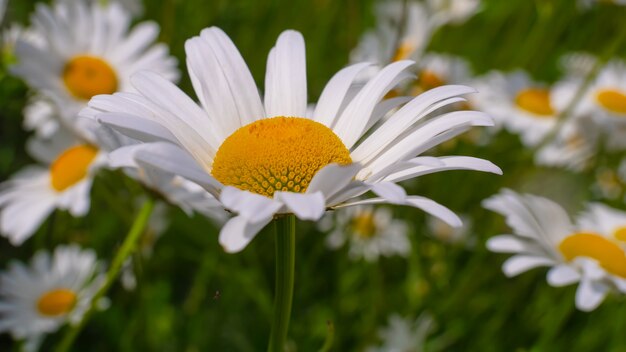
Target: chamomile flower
x=435, y=70
x=32, y=194
x=370, y=233
x=265, y=159
x=545, y=236
x=55, y=289
x=604, y=101
x=517, y=103
x=87, y=50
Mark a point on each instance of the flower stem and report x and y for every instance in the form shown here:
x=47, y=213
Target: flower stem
x=285, y=265
x=127, y=248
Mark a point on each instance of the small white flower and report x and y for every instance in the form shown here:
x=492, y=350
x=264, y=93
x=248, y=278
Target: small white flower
x=370, y=233
x=54, y=290
x=32, y=194
x=517, y=103
x=85, y=50
x=404, y=334
x=588, y=253
x=452, y=11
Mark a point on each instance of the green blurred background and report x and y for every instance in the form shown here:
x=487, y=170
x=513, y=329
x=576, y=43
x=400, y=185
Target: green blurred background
x=191, y=296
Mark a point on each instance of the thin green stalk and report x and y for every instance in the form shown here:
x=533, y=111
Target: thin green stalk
x=285, y=265
x=128, y=247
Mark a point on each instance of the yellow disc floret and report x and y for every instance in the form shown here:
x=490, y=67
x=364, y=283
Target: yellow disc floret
x=86, y=76
x=56, y=302
x=277, y=154
x=71, y=166
x=535, y=101
x=612, y=100
x=364, y=224
x=607, y=253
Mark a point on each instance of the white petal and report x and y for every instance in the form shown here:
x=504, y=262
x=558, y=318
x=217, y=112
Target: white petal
x=590, y=294
x=308, y=206
x=562, y=275
x=391, y=192
x=447, y=163
x=353, y=120
x=334, y=93
x=253, y=207
x=332, y=178
x=507, y=244
x=238, y=232
x=136, y=127
x=285, y=79
x=173, y=159
x=518, y=264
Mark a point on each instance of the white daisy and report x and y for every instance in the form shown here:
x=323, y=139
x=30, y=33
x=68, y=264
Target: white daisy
x=88, y=50
x=435, y=70
x=54, y=290
x=32, y=194
x=544, y=236
x=371, y=233
x=518, y=104
x=262, y=160
x=604, y=101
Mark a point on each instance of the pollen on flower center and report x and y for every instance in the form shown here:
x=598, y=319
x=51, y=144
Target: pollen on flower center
x=56, y=302
x=403, y=52
x=612, y=100
x=536, y=101
x=277, y=154
x=364, y=225
x=620, y=233
x=86, y=76
x=71, y=166
x=607, y=253
x=429, y=80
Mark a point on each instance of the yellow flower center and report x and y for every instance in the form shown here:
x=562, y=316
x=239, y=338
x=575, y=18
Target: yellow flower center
x=277, y=154
x=536, y=101
x=56, y=302
x=364, y=225
x=403, y=52
x=608, y=254
x=613, y=100
x=620, y=233
x=429, y=80
x=71, y=166
x=86, y=76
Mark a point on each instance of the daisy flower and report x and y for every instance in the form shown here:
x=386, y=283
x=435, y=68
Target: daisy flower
x=87, y=50
x=55, y=289
x=604, y=101
x=371, y=233
x=435, y=70
x=517, y=103
x=588, y=254
x=405, y=334
x=33, y=193
x=264, y=158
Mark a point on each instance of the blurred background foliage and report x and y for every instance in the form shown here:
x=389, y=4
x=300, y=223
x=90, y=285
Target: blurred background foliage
x=191, y=296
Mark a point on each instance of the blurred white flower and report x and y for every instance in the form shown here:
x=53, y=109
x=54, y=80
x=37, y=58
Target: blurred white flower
x=452, y=11
x=448, y=234
x=369, y=232
x=134, y=7
x=517, y=103
x=590, y=253
x=406, y=335
x=85, y=50
x=55, y=289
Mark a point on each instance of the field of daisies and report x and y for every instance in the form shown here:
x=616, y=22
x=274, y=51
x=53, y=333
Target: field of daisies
x=363, y=175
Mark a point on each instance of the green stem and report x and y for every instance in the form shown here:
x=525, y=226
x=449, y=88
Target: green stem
x=285, y=265
x=127, y=248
